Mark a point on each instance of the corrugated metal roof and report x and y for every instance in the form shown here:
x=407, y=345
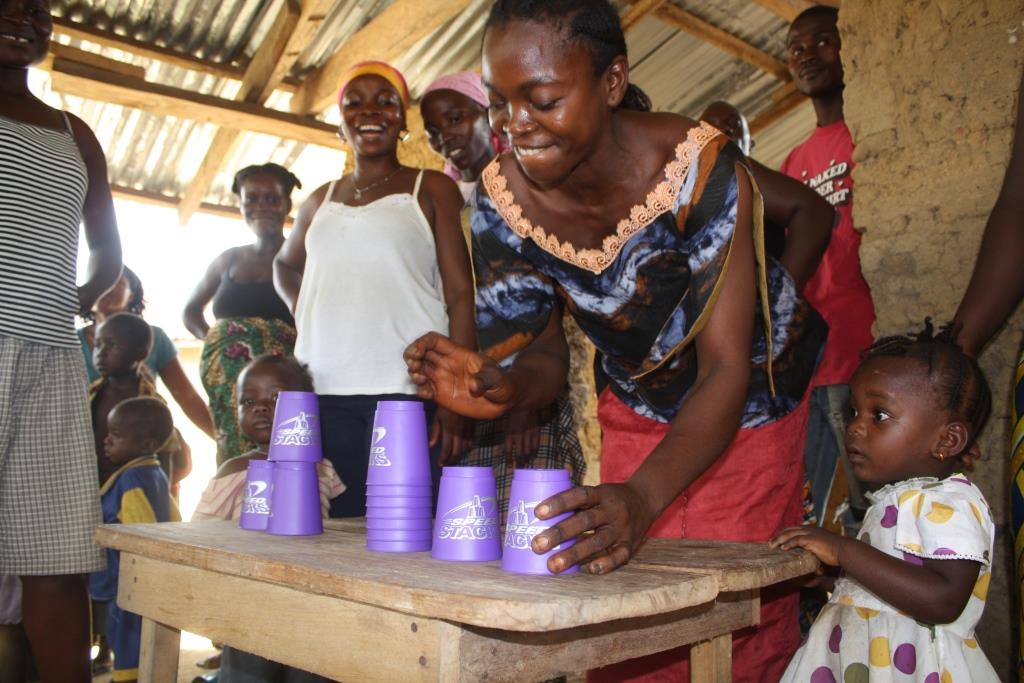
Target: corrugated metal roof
x=680, y=72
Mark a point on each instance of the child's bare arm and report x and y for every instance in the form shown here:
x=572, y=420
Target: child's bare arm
x=934, y=592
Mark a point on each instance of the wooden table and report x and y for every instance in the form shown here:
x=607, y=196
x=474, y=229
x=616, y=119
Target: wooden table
x=327, y=605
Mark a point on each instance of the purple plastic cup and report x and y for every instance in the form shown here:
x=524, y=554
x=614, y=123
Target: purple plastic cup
x=425, y=524
x=389, y=502
x=399, y=546
x=529, y=488
x=256, y=504
x=297, y=493
x=399, y=454
x=424, y=491
x=296, y=435
x=398, y=534
x=466, y=528
x=399, y=513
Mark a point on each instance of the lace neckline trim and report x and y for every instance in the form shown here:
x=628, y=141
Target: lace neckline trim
x=659, y=200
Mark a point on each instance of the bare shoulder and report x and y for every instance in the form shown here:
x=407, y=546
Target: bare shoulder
x=86, y=139
x=436, y=181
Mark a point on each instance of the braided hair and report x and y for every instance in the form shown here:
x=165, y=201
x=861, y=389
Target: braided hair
x=594, y=24
x=959, y=382
x=282, y=175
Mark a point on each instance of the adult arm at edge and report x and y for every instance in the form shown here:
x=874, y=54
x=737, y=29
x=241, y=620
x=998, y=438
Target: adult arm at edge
x=808, y=218
x=194, y=315
x=997, y=283
x=99, y=219
x=186, y=396
x=291, y=258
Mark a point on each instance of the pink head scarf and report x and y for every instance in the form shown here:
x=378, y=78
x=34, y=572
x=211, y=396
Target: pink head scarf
x=470, y=84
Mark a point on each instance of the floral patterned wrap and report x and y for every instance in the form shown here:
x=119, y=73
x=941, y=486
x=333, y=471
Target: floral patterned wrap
x=648, y=292
x=230, y=344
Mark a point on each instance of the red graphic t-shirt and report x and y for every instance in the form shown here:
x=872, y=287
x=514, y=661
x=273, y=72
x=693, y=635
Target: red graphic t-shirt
x=838, y=291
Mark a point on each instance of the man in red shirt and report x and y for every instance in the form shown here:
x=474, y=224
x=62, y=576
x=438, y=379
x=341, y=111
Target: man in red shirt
x=837, y=290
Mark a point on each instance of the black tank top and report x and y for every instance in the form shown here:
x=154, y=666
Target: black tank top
x=248, y=300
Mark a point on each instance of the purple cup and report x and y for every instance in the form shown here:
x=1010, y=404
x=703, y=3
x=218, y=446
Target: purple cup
x=256, y=504
x=296, y=435
x=529, y=488
x=373, y=524
x=399, y=513
x=389, y=502
x=424, y=491
x=399, y=546
x=399, y=454
x=398, y=534
x=297, y=493
x=466, y=528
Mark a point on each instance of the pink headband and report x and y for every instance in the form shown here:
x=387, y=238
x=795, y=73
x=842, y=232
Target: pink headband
x=470, y=84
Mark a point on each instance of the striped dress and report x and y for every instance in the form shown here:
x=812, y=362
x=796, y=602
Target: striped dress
x=49, y=502
x=43, y=182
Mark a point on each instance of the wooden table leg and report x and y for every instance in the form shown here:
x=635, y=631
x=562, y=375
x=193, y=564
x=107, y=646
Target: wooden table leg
x=711, y=660
x=158, y=653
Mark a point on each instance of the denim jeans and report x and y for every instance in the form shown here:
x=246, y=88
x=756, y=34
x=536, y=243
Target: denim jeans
x=825, y=449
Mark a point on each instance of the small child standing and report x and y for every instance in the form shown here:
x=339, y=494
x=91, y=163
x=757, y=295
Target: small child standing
x=259, y=383
x=122, y=343
x=915, y=580
x=136, y=493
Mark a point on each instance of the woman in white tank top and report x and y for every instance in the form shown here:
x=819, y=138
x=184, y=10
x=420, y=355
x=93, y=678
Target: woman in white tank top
x=376, y=259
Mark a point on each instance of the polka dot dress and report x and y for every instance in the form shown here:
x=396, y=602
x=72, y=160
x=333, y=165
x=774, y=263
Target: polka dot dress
x=859, y=638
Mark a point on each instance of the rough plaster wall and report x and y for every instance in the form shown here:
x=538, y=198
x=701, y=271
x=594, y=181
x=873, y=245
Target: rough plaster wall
x=930, y=99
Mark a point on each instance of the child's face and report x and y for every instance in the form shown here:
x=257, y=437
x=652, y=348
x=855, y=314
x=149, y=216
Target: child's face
x=113, y=354
x=122, y=442
x=258, y=387
x=895, y=424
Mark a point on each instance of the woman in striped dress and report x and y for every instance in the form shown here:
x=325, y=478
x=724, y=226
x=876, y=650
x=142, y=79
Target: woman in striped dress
x=53, y=177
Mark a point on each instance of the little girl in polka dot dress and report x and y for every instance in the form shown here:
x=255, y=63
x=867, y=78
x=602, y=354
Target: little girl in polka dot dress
x=914, y=582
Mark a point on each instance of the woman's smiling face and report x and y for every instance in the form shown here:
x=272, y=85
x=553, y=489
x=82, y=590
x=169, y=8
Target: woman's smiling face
x=545, y=96
x=372, y=116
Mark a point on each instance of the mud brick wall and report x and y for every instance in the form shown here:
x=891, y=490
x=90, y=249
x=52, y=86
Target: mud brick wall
x=931, y=99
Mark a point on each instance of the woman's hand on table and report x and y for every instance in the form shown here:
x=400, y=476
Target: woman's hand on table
x=455, y=434
x=459, y=379
x=618, y=516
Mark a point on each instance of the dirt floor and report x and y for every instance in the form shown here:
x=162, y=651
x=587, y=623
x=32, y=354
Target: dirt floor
x=193, y=649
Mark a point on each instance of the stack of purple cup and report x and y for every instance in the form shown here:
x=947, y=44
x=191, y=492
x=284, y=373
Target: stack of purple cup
x=529, y=488
x=295, y=450
x=399, y=508
x=256, y=504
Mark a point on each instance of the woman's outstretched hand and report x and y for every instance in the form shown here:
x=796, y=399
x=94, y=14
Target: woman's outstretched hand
x=463, y=381
x=617, y=514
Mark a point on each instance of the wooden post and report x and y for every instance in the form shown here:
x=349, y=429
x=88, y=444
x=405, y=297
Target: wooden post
x=711, y=660
x=158, y=653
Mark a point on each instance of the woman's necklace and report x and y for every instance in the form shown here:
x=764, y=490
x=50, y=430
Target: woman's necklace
x=360, y=191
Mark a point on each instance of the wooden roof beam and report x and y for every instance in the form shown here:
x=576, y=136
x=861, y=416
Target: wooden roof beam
x=385, y=37
x=158, y=199
x=59, y=51
x=785, y=99
x=256, y=88
x=109, y=39
x=680, y=19
x=789, y=9
x=639, y=10
x=81, y=80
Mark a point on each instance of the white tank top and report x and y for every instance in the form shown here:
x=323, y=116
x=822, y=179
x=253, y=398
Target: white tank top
x=370, y=287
